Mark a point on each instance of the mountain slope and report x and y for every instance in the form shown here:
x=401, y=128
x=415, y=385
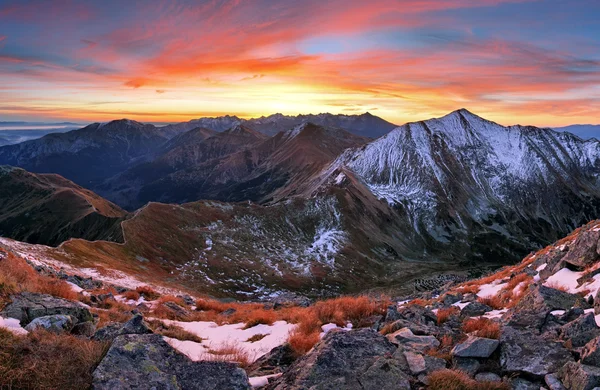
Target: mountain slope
x=462, y=180
x=49, y=209
x=235, y=165
x=88, y=155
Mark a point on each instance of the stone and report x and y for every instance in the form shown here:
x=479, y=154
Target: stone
x=385, y=374
x=423, y=364
x=57, y=323
x=86, y=329
x=474, y=309
x=487, y=377
x=590, y=353
x=176, y=310
x=467, y=365
x=553, y=382
x=524, y=384
x=533, y=308
x=597, y=302
x=525, y=352
x=580, y=331
x=417, y=329
x=28, y=306
x=338, y=361
x=135, y=325
x=475, y=347
x=583, y=251
x=575, y=376
x=406, y=337
x=451, y=298
x=275, y=361
x=416, y=314
x=148, y=361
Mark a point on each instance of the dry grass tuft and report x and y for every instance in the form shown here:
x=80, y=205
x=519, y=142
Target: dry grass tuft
x=170, y=298
x=302, y=342
x=172, y=331
x=44, y=360
x=482, y=327
x=444, y=314
x=18, y=276
x=495, y=302
x=258, y=317
x=131, y=294
x=147, y=292
x=256, y=337
x=557, y=286
x=106, y=316
x=230, y=352
x=457, y=380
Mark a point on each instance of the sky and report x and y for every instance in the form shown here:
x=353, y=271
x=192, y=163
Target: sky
x=511, y=61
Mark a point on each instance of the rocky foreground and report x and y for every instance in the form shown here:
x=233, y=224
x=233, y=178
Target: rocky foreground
x=530, y=326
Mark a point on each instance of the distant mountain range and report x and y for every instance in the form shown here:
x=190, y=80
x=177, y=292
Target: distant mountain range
x=582, y=131
x=330, y=211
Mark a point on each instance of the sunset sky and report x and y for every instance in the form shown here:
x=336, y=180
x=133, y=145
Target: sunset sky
x=512, y=61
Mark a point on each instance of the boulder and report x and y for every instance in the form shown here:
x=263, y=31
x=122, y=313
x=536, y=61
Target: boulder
x=423, y=364
x=385, y=374
x=584, y=250
x=417, y=329
x=338, y=361
x=147, y=361
x=57, y=323
x=597, y=302
x=175, y=310
x=553, y=382
x=591, y=353
x=475, y=309
x=86, y=329
x=575, y=376
x=533, y=308
x=275, y=361
x=487, y=377
x=406, y=337
x=467, y=365
x=475, y=347
x=416, y=314
x=28, y=306
x=525, y=352
x=524, y=384
x=580, y=331
x=135, y=325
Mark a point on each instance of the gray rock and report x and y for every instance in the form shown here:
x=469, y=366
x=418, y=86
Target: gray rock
x=417, y=329
x=524, y=384
x=575, y=376
x=532, y=310
x=176, y=310
x=553, y=382
x=338, y=361
x=450, y=298
x=57, y=323
x=423, y=364
x=467, y=365
x=136, y=325
x=528, y=353
x=86, y=329
x=147, y=361
x=416, y=314
x=28, y=306
x=581, y=331
x=475, y=347
x=385, y=374
x=475, y=309
x=275, y=361
x=419, y=343
x=583, y=251
x=597, y=302
x=487, y=377
x=591, y=353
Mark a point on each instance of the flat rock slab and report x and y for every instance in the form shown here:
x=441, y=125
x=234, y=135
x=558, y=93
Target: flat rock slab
x=475, y=347
x=57, y=323
x=577, y=376
x=525, y=352
x=338, y=361
x=28, y=306
x=148, y=362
